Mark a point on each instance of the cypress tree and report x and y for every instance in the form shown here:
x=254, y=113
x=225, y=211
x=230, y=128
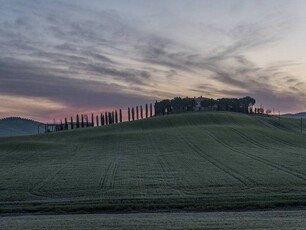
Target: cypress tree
x=120, y=116
x=133, y=114
x=141, y=112
x=62, y=125
x=102, y=119
x=137, y=113
x=146, y=110
x=106, y=119
x=72, y=123
x=82, y=122
x=151, y=110
x=116, y=116
x=92, y=120
x=155, y=105
x=66, y=123
x=97, y=121
x=129, y=114
x=113, y=117
x=78, y=121
x=87, y=123
x=109, y=118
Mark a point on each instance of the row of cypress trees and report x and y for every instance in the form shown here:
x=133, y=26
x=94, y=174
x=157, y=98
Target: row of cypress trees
x=138, y=113
x=82, y=121
x=107, y=118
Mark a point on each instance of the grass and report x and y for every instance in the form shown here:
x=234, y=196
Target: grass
x=281, y=220
x=292, y=125
x=195, y=161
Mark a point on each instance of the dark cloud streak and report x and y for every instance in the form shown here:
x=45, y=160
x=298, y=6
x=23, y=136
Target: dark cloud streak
x=16, y=80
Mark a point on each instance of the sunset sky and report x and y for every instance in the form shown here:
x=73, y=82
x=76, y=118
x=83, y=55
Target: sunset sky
x=62, y=57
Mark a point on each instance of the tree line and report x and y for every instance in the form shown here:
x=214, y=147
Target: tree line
x=167, y=106
x=177, y=104
x=106, y=118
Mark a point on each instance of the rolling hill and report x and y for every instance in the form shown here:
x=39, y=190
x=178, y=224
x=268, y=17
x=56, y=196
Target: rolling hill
x=194, y=161
x=297, y=115
x=291, y=125
x=15, y=126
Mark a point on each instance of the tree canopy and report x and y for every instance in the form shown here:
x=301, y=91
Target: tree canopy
x=178, y=104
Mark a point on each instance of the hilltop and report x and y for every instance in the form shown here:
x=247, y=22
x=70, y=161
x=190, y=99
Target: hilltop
x=16, y=126
x=190, y=161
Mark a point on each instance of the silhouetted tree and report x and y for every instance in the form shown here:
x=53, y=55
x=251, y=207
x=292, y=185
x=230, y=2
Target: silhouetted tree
x=116, y=116
x=141, y=112
x=146, y=110
x=62, y=127
x=113, y=117
x=72, y=123
x=155, y=105
x=110, y=119
x=129, y=114
x=106, y=118
x=66, y=123
x=151, y=110
x=87, y=122
x=188, y=103
x=242, y=105
x=102, y=119
x=177, y=105
x=92, y=120
x=137, y=113
x=82, y=122
x=133, y=114
x=77, y=121
x=246, y=104
x=209, y=103
x=120, y=116
x=164, y=106
x=97, y=121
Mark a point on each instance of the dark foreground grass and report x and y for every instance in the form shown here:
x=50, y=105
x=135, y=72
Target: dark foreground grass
x=281, y=220
x=197, y=161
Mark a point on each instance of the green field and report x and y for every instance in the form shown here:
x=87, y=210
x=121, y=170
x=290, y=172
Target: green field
x=192, y=162
x=280, y=220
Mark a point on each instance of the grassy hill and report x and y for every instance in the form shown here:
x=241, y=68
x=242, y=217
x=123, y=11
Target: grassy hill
x=194, y=161
x=15, y=126
x=291, y=125
x=297, y=115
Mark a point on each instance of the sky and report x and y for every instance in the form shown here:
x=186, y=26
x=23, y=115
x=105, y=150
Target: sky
x=62, y=57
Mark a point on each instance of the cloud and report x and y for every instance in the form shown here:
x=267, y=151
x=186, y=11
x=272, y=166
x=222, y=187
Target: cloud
x=88, y=55
x=269, y=85
x=25, y=80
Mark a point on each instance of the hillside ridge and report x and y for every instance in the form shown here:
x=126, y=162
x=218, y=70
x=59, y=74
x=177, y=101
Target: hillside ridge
x=17, y=126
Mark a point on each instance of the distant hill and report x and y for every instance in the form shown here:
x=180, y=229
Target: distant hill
x=297, y=115
x=15, y=126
